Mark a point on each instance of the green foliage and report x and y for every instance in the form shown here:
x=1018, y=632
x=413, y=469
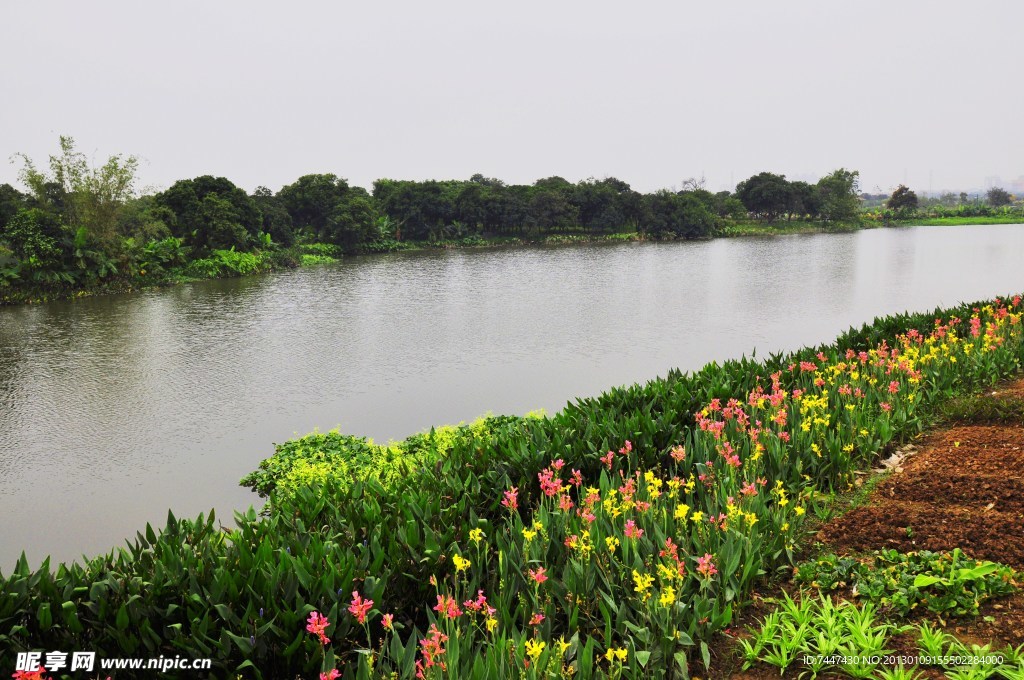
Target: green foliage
x=320, y=249
x=819, y=630
x=838, y=193
x=223, y=263
x=903, y=201
x=1008, y=409
x=83, y=196
x=766, y=195
x=945, y=583
x=310, y=260
x=344, y=459
x=211, y=213
x=680, y=214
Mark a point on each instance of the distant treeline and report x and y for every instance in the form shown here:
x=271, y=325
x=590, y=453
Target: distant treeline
x=78, y=226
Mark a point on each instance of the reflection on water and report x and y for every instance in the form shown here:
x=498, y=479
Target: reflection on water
x=114, y=409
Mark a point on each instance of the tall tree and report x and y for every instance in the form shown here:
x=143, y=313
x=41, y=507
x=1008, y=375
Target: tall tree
x=903, y=200
x=998, y=197
x=83, y=196
x=838, y=191
x=230, y=219
x=766, y=195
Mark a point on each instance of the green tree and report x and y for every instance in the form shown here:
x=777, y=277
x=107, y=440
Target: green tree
x=41, y=246
x=839, y=195
x=903, y=200
x=765, y=195
x=83, y=196
x=277, y=221
x=11, y=201
x=352, y=221
x=684, y=214
x=230, y=219
x=998, y=197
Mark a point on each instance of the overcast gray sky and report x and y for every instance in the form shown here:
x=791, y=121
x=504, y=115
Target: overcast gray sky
x=930, y=93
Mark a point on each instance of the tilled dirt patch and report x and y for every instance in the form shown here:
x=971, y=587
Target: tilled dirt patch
x=963, y=488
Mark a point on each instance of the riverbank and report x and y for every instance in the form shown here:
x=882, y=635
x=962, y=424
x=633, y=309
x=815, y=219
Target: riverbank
x=565, y=562
x=229, y=264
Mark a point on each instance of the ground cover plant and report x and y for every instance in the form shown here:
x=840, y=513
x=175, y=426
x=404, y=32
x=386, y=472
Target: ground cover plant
x=948, y=584
x=612, y=539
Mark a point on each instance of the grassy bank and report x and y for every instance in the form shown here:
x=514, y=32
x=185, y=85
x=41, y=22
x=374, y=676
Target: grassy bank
x=164, y=269
x=961, y=221
x=616, y=538
x=228, y=263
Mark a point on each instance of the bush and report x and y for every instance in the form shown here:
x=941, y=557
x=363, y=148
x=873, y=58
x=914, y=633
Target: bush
x=222, y=263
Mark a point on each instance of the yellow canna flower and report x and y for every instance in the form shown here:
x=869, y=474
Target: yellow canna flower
x=461, y=563
x=535, y=648
x=476, y=535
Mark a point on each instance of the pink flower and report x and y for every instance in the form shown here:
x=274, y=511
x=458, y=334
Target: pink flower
x=447, y=605
x=678, y=454
x=632, y=531
x=37, y=674
x=537, y=619
x=886, y=406
x=332, y=674
x=705, y=566
x=316, y=624
x=894, y=387
x=538, y=575
x=388, y=621
x=511, y=500
x=359, y=607
x=607, y=459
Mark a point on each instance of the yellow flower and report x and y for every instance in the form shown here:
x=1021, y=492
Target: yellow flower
x=643, y=583
x=461, y=563
x=697, y=516
x=476, y=535
x=563, y=646
x=668, y=596
x=612, y=543
x=529, y=534
x=682, y=510
x=785, y=527
x=799, y=511
x=537, y=525
x=535, y=648
x=614, y=653
x=492, y=623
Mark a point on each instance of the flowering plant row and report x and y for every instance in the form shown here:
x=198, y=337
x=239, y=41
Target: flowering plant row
x=630, y=573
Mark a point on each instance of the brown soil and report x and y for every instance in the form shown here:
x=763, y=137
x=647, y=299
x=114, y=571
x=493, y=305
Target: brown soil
x=964, y=488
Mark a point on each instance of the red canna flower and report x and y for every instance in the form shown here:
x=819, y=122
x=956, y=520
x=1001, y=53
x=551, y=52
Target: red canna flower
x=359, y=607
x=316, y=624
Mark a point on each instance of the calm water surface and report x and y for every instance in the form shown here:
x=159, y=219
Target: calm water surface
x=114, y=409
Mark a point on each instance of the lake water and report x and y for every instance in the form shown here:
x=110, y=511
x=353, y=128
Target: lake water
x=114, y=409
